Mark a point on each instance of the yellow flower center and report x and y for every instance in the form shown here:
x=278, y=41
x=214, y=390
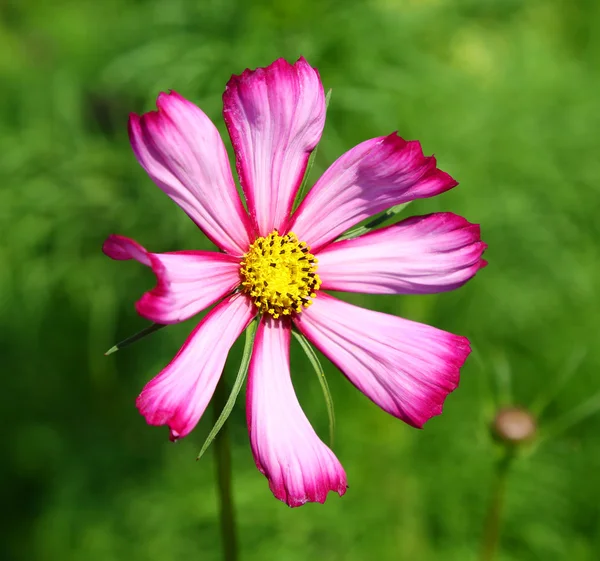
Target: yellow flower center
x=280, y=274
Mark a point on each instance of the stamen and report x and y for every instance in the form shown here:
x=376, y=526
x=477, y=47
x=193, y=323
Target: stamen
x=279, y=273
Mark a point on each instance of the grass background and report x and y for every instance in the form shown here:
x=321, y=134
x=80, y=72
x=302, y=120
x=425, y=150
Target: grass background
x=504, y=92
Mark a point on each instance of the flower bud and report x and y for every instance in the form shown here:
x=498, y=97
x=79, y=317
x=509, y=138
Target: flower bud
x=514, y=425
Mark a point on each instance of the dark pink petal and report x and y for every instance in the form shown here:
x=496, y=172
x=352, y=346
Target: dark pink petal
x=299, y=467
x=406, y=368
x=187, y=281
x=373, y=176
x=121, y=248
x=275, y=117
x=419, y=255
x=178, y=396
x=182, y=152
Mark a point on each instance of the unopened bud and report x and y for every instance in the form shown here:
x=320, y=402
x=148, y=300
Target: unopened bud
x=514, y=425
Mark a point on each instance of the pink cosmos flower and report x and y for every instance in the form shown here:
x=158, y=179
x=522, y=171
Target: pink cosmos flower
x=278, y=264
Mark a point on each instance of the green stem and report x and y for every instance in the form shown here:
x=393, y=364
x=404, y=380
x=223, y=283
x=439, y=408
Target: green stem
x=223, y=472
x=493, y=519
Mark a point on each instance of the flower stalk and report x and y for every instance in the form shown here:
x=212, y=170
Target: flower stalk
x=513, y=428
x=493, y=518
x=223, y=475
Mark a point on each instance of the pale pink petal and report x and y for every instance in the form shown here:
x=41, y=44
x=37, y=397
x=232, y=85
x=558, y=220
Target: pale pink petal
x=420, y=255
x=373, y=176
x=275, y=117
x=187, y=281
x=299, y=467
x=178, y=396
x=406, y=368
x=182, y=152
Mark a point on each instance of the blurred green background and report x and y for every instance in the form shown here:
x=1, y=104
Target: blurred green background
x=504, y=92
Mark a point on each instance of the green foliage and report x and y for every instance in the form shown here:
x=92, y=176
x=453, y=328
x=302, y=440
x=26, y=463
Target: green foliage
x=505, y=94
x=235, y=390
x=316, y=364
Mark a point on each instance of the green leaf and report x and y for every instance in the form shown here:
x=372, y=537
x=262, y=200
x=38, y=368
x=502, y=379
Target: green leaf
x=577, y=415
x=309, y=165
x=503, y=375
x=552, y=389
x=139, y=335
x=237, y=386
x=316, y=363
x=360, y=230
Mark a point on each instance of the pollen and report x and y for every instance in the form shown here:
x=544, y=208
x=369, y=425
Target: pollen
x=280, y=274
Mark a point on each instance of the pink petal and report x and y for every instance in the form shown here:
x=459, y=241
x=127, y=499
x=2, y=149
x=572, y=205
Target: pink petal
x=406, y=368
x=187, y=281
x=419, y=255
x=275, y=117
x=182, y=152
x=178, y=396
x=373, y=176
x=299, y=467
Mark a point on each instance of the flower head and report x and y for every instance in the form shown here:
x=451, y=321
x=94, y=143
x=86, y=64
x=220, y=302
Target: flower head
x=279, y=274
x=277, y=264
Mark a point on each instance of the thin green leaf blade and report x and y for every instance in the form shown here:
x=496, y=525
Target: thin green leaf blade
x=316, y=364
x=566, y=373
x=134, y=338
x=387, y=215
x=577, y=415
x=237, y=386
x=309, y=165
